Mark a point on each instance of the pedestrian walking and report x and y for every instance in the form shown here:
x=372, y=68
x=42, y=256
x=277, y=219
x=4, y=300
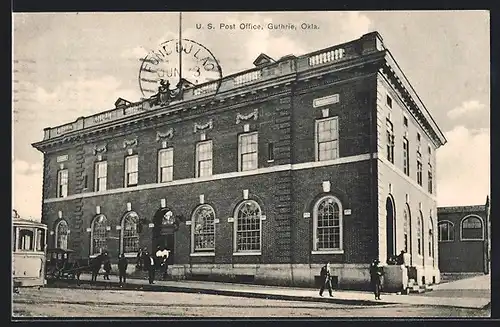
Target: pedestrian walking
x=376, y=272
x=106, y=266
x=326, y=279
x=149, y=263
x=138, y=264
x=164, y=263
x=122, y=269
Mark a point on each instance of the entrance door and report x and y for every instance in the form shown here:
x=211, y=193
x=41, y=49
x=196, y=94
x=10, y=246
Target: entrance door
x=391, y=228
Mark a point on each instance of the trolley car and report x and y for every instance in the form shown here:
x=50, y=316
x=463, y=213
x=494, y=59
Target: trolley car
x=28, y=252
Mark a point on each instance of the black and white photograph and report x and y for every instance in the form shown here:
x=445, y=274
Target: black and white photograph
x=272, y=164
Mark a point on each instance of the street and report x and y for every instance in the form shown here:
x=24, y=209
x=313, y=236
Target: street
x=62, y=302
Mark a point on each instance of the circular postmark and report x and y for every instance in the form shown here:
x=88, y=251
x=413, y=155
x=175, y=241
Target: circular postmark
x=174, y=64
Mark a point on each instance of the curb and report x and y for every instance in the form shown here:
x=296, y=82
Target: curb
x=84, y=284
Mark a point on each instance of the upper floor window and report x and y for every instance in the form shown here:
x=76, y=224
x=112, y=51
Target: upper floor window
x=327, y=224
x=131, y=170
x=129, y=234
x=388, y=101
x=405, y=121
x=471, y=229
x=390, y=141
x=165, y=165
x=101, y=176
x=99, y=235
x=61, y=234
x=203, y=229
x=446, y=231
x=248, y=147
x=418, y=137
x=248, y=226
x=327, y=139
x=406, y=156
x=419, y=172
x=430, y=186
x=62, y=183
x=204, y=158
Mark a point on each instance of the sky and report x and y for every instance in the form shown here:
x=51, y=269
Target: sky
x=67, y=65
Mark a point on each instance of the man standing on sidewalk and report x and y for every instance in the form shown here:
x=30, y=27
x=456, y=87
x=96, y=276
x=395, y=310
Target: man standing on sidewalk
x=149, y=263
x=376, y=273
x=326, y=279
x=122, y=269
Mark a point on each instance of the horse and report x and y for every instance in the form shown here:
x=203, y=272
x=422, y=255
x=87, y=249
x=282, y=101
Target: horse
x=95, y=266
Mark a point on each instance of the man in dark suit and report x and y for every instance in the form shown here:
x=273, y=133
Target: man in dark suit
x=149, y=263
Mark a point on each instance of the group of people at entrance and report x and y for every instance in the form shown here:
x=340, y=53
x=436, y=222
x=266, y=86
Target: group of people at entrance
x=151, y=263
x=376, y=273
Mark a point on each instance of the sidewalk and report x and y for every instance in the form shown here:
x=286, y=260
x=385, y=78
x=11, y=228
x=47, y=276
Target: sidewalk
x=288, y=293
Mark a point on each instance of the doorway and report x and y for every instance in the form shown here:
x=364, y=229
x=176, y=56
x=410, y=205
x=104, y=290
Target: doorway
x=164, y=233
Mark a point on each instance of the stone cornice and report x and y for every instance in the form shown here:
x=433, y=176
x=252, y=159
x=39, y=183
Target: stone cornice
x=110, y=132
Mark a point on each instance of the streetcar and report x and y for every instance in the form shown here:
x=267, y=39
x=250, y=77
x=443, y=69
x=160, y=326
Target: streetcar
x=28, y=253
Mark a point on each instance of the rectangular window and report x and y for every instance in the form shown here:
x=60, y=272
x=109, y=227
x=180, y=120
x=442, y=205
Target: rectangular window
x=418, y=137
x=390, y=141
x=429, y=180
x=248, y=151
x=389, y=101
x=101, y=174
x=131, y=170
x=165, y=165
x=270, y=151
x=406, y=157
x=62, y=183
x=405, y=121
x=85, y=181
x=204, y=158
x=419, y=172
x=327, y=139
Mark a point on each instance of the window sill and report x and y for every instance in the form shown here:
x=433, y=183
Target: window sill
x=270, y=161
x=130, y=255
x=246, y=253
x=202, y=254
x=327, y=252
x=446, y=241
x=472, y=240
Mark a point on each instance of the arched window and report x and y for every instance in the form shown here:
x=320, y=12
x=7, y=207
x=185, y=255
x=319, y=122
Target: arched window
x=420, y=243
x=129, y=235
x=203, y=229
x=327, y=224
x=247, y=227
x=99, y=235
x=431, y=238
x=471, y=228
x=406, y=218
x=62, y=232
x=446, y=231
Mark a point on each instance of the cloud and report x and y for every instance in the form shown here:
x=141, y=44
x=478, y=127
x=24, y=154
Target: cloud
x=27, y=189
x=463, y=167
x=466, y=108
x=354, y=25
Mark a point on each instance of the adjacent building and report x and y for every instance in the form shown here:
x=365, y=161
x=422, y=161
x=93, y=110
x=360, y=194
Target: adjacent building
x=327, y=156
x=464, y=239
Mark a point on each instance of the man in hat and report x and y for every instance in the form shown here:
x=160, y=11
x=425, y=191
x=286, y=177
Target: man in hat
x=376, y=273
x=326, y=279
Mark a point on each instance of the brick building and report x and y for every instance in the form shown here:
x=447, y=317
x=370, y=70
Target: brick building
x=325, y=156
x=464, y=239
